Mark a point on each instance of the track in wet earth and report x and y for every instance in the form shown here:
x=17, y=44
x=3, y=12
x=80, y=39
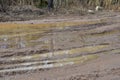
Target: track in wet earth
x=59, y=47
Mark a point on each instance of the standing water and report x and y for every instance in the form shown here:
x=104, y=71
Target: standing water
x=4, y=41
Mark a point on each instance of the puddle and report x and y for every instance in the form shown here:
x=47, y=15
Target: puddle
x=46, y=64
x=59, y=47
x=105, y=33
x=24, y=35
x=89, y=49
x=25, y=29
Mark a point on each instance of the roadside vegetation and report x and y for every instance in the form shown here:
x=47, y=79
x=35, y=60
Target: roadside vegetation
x=14, y=10
x=108, y=4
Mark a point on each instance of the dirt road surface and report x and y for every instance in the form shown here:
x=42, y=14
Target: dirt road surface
x=89, y=51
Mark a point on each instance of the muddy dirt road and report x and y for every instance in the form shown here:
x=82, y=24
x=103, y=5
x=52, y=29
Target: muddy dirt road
x=84, y=49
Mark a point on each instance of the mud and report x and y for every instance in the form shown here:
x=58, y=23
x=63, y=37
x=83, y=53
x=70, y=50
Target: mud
x=87, y=51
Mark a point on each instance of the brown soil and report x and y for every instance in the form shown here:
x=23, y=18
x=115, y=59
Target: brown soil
x=99, y=39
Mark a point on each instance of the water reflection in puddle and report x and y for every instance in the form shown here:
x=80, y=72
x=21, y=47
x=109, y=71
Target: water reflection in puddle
x=20, y=42
x=59, y=44
x=44, y=42
x=25, y=66
x=4, y=42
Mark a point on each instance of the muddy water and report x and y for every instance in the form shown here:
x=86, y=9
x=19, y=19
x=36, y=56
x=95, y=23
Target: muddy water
x=57, y=47
x=46, y=64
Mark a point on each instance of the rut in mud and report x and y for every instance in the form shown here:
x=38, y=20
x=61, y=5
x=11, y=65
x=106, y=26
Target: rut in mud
x=58, y=47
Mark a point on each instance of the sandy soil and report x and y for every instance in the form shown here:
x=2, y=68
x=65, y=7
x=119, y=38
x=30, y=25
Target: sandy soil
x=100, y=39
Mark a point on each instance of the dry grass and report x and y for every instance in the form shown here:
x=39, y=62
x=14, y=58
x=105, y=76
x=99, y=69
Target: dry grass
x=109, y=4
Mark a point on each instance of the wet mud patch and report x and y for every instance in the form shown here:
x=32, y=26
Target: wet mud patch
x=52, y=45
x=43, y=65
x=98, y=75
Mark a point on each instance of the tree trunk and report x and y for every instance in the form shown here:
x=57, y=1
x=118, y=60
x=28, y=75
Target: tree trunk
x=50, y=5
